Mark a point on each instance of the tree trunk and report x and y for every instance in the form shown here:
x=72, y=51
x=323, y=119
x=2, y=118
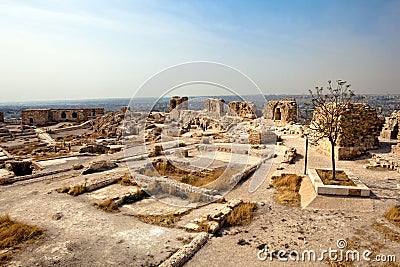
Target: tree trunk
x=306, y=155
x=333, y=159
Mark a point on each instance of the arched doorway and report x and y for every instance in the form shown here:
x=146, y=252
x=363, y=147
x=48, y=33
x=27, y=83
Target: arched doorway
x=30, y=120
x=74, y=115
x=63, y=115
x=277, y=114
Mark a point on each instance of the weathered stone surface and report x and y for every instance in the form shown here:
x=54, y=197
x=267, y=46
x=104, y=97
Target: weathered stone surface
x=99, y=166
x=282, y=112
x=94, y=149
x=289, y=156
x=20, y=168
x=242, y=109
x=391, y=128
x=49, y=116
x=215, y=107
x=360, y=127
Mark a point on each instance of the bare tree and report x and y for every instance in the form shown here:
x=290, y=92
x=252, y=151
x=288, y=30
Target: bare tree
x=329, y=106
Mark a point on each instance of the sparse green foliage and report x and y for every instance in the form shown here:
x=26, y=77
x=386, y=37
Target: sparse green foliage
x=330, y=104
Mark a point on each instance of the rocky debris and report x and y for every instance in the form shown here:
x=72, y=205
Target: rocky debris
x=110, y=124
x=20, y=168
x=386, y=162
x=391, y=127
x=77, y=167
x=99, y=166
x=289, y=156
x=213, y=221
x=57, y=216
x=186, y=252
x=94, y=149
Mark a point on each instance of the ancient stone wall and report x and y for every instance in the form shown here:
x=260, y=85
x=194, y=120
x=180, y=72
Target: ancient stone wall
x=391, y=128
x=215, y=107
x=360, y=131
x=1, y=117
x=48, y=116
x=35, y=116
x=179, y=103
x=242, y=109
x=283, y=111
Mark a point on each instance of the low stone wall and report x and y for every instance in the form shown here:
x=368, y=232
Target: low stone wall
x=184, y=254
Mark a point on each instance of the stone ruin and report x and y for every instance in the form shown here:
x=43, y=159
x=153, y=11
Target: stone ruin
x=361, y=128
x=243, y=109
x=391, y=128
x=176, y=105
x=1, y=117
x=282, y=112
x=43, y=117
x=215, y=107
x=179, y=103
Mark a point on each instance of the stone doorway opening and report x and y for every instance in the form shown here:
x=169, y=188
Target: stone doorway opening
x=277, y=114
x=395, y=132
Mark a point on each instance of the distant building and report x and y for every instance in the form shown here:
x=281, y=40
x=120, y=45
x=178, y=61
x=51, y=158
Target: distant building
x=42, y=117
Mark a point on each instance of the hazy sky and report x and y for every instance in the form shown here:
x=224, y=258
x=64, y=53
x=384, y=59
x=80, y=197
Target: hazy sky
x=96, y=49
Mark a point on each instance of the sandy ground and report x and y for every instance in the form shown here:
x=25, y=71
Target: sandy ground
x=87, y=236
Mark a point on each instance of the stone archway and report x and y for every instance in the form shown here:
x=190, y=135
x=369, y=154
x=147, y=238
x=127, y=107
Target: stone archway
x=74, y=115
x=63, y=115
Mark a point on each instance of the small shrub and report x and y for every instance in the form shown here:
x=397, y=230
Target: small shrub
x=241, y=215
x=64, y=189
x=393, y=215
x=108, y=205
x=127, y=180
x=77, y=190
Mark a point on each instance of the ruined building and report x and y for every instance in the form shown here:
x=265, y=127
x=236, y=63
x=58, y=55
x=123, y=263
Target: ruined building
x=242, y=109
x=42, y=117
x=1, y=117
x=177, y=102
x=391, y=128
x=282, y=112
x=215, y=107
x=360, y=127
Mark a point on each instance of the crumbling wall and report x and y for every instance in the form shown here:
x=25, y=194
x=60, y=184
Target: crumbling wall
x=283, y=111
x=179, y=103
x=360, y=128
x=215, y=107
x=391, y=128
x=242, y=109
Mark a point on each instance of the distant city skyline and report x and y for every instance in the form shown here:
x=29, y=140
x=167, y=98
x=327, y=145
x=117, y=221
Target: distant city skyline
x=55, y=50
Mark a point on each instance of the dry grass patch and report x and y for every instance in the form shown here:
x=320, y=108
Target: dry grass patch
x=341, y=178
x=387, y=232
x=165, y=220
x=241, y=215
x=393, y=215
x=127, y=180
x=13, y=234
x=287, y=189
x=108, y=205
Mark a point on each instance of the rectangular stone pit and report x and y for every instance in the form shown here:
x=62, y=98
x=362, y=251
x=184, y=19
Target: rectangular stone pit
x=360, y=189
